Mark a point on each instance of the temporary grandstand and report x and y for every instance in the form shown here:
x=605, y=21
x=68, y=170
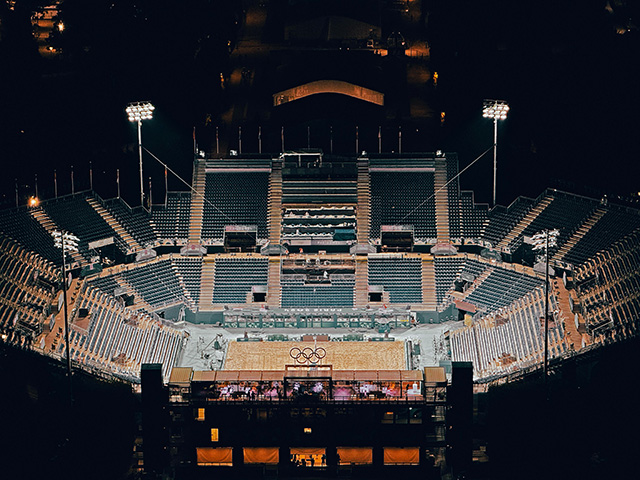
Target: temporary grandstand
x=373, y=246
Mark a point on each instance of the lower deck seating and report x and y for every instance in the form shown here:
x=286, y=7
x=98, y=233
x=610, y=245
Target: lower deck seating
x=338, y=293
x=401, y=277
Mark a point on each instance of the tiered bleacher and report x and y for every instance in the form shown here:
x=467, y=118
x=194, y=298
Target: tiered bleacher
x=608, y=290
x=473, y=216
x=447, y=270
x=190, y=268
x=74, y=214
x=616, y=223
x=403, y=198
x=401, y=277
x=111, y=337
x=27, y=288
x=18, y=224
x=566, y=212
x=500, y=288
x=236, y=197
x=171, y=222
x=136, y=221
x=337, y=292
x=157, y=283
x=509, y=339
x=234, y=277
x=501, y=220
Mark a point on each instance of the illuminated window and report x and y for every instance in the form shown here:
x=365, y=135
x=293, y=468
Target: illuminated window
x=354, y=456
x=214, y=456
x=401, y=455
x=200, y=414
x=307, y=429
x=261, y=455
x=214, y=434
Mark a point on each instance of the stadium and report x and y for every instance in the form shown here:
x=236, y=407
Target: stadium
x=297, y=307
x=379, y=262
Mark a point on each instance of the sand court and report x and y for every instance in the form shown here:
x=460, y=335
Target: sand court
x=340, y=355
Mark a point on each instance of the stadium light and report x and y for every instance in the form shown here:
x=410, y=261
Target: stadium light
x=137, y=112
x=496, y=110
x=67, y=242
x=542, y=241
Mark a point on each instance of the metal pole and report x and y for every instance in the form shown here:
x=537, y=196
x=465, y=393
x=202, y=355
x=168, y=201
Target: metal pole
x=90, y=175
x=239, y=139
x=55, y=183
x=400, y=139
x=331, y=139
x=66, y=317
x=166, y=188
x=379, y=139
x=546, y=307
x=217, y=141
x=73, y=186
x=357, y=140
x=118, y=180
x=36, y=181
x=495, y=158
x=140, y=155
x=259, y=139
x=150, y=197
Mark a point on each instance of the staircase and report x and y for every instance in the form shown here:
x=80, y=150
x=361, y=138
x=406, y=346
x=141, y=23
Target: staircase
x=361, y=292
x=578, y=234
x=442, y=201
x=274, y=289
x=363, y=214
x=130, y=242
x=207, y=277
x=197, y=201
x=187, y=296
x=524, y=223
x=476, y=283
x=275, y=203
x=572, y=336
x=429, y=284
x=45, y=220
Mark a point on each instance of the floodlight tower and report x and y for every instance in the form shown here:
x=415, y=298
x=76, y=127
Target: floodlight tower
x=496, y=110
x=137, y=112
x=543, y=241
x=67, y=242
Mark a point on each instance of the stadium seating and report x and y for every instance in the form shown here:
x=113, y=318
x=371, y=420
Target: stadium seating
x=338, y=293
x=19, y=225
x=404, y=198
x=501, y=220
x=234, y=277
x=137, y=222
x=447, y=270
x=473, y=217
x=566, y=213
x=508, y=339
x=235, y=199
x=615, y=224
x=74, y=214
x=401, y=277
x=190, y=269
x=172, y=222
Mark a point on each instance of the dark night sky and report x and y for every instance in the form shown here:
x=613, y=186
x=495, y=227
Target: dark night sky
x=570, y=79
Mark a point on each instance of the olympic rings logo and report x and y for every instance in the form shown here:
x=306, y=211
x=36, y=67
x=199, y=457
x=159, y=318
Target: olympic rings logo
x=307, y=354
